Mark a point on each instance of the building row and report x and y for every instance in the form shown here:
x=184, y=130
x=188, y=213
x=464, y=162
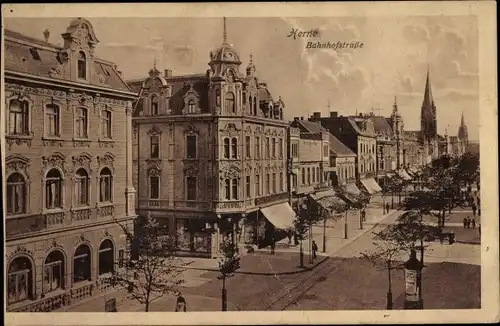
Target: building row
x=208, y=156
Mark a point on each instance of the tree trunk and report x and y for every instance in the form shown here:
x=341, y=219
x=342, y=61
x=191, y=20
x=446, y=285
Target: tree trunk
x=224, y=295
x=345, y=226
x=301, y=255
x=383, y=204
x=310, y=244
x=147, y=301
x=360, y=219
x=389, y=290
x=324, y=234
x=392, y=203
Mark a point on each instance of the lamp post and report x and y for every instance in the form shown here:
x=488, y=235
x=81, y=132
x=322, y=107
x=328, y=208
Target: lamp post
x=413, y=280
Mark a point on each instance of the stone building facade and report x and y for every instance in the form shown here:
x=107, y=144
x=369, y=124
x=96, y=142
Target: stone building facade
x=358, y=134
x=210, y=155
x=68, y=170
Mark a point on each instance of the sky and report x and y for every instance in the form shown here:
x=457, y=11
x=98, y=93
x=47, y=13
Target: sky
x=393, y=61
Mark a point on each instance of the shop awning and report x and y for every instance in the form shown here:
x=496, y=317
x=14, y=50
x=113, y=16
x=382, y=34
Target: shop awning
x=371, y=185
x=404, y=175
x=390, y=175
x=327, y=200
x=321, y=194
x=281, y=215
x=352, y=188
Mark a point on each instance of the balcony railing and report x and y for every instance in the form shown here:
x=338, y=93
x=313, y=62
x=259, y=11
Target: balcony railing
x=104, y=211
x=81, y=214
x=199, y=205
x=54, y=219
x=153, y=203
x=270, y=198
x=322, y=185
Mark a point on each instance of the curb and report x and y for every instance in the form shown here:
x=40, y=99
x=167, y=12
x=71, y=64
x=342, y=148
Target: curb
x=305, y=269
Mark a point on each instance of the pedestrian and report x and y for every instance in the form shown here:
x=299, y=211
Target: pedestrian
x=314, y=249
x=479, y=229
x=474, y=223
x=465, y=221
x=290, y=234
x=363, y=215
x=388, y=207
x=181, y=304
x=474, y=209
x=273, y=245
x=468, y=222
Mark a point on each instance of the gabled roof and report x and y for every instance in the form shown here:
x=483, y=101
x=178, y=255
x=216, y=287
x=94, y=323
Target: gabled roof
x=381, y=125
x=36, y=57
x=337, y=148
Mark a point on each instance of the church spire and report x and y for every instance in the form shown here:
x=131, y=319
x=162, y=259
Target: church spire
x=224, y=33
x=428, y=99
x=462, y=121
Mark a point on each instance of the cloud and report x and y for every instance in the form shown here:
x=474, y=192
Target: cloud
x=456, y=94
x=416, y=33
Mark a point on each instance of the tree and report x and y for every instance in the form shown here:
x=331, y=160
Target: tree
x=386, y=256
x=307, y=216
x=155, y=271
x=334, y=212
x=229, y=263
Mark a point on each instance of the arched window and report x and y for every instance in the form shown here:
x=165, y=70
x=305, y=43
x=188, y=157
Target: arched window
x=81, y=123
x=18, y=117
x=230, y=104
x=82, y=264
x=20, y=280
x=191, y=106
x=81, y=188
x=234, y=147
x=53, y=189
x=226, y=147
x=254, y=105
x=105, y=185
x=235, y=189
x=106, y=257
x=53, y=272
x=154, y=105
x=82, y=65
x=227, y=189
x=16, y=194
x=52, y=120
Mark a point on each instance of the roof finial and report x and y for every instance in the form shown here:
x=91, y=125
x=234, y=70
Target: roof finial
x=154, y=63
x=224, y=35
x=328, y=105
x=251, y=58
x=395, y=101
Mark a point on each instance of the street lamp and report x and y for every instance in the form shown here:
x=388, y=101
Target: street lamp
x=413, y=280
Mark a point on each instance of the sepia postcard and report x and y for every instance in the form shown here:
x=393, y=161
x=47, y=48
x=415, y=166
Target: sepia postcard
x=250, y=163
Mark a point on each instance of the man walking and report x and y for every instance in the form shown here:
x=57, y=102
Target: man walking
x=474, y=209
x=474, y=223
x=465, y=221
x=387, y=206
x=314, y=249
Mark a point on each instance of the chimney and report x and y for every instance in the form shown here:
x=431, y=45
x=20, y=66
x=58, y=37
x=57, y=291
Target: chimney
x=361, y=114
x=316, y=115
x=301, y=118
x=296, y=118
x=333, y=114
x=46, y=35
x=168, y=73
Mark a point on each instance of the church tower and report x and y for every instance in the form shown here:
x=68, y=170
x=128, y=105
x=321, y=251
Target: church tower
x=428, y=120
x=463, y=135
x=397, y=129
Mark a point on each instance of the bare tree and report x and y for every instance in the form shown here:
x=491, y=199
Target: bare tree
x=385, y=256
x=229, y=263
x=154, y=271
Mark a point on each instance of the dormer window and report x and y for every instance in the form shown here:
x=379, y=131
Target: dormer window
x=82, y=65
x=154, y=105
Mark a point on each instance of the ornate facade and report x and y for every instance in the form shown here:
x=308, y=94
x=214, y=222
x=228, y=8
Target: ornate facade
x=210, y=153
x=68, y=169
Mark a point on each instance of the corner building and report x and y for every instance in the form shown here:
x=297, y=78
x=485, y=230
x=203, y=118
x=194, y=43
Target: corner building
x=211, y=155
x=68, y=173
